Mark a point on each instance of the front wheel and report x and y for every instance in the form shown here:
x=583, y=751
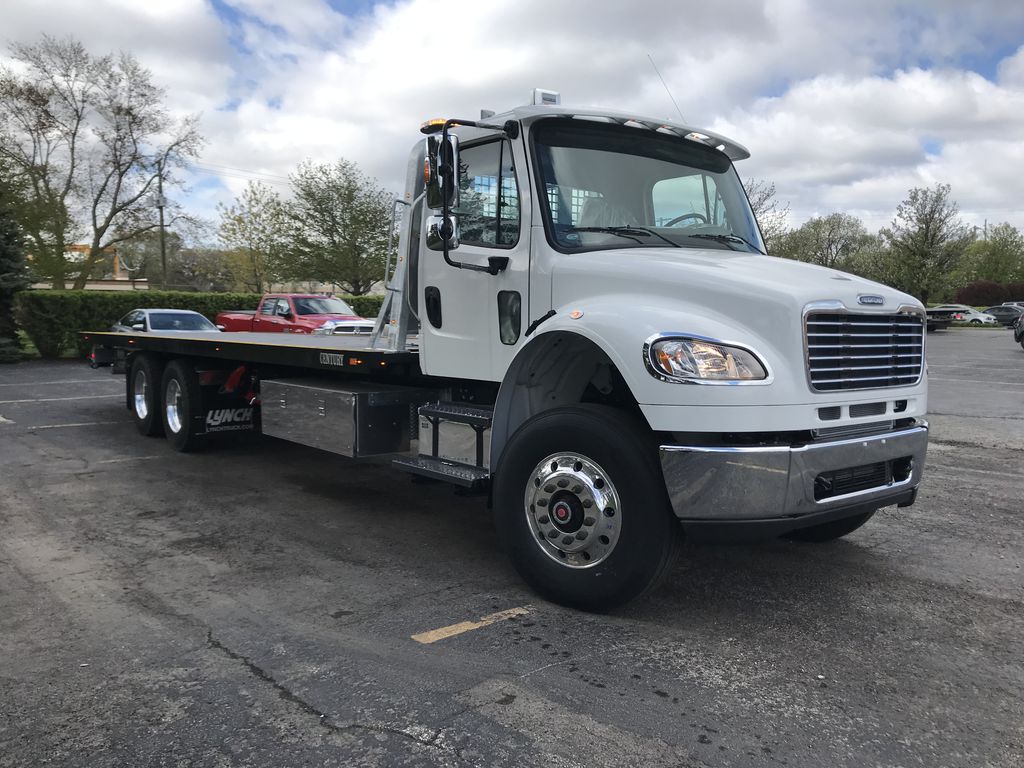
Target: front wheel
x=830, y=531
x=581, y=507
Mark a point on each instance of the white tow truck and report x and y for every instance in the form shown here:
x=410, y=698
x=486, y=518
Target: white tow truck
x=582, y=323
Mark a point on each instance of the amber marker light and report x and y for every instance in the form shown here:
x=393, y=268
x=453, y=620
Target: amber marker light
x=433, y=126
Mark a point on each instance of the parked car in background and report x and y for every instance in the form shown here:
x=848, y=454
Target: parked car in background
x=297, y=313
x=153, y=320
x=163, y=320
x=1007, y=314
x=1018, y=331
x=968, y=314
x=1013, y=304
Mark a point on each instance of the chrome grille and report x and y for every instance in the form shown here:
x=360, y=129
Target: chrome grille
x=850, y=351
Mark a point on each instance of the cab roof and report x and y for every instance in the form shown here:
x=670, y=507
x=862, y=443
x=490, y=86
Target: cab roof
x=529, y=114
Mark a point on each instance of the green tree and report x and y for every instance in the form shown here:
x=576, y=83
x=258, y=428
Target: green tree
x=12, y=279
x=999, y=257
x=91, y=141
x=339, y=224
x=926, y=241
x=829, y=241
x=771, y=214
x=255, y=230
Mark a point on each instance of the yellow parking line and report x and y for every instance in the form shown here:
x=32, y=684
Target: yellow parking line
x=468, y=626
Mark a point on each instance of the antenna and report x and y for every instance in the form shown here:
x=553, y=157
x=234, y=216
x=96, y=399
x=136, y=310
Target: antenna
x=658, y=72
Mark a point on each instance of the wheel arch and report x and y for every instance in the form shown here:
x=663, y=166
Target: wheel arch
x=558, y=368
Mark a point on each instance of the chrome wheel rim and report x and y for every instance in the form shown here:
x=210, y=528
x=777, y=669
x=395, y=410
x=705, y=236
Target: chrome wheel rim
x=139, y=391
x=573, y=510
x=172, y=405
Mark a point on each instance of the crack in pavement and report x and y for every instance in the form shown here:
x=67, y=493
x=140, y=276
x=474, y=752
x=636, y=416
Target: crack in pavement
x=428, y=738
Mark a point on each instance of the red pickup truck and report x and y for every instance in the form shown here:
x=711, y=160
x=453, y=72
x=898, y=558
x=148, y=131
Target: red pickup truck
x=297, y=313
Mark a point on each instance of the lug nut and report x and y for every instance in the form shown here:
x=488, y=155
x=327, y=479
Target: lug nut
x=588, y=521
x=581, y=535
x=549, y=488
x=562, y=483
x=543, y=519
x=552, y=534
x=577, y=489
x=542, y=502
x=588, y=503
x=566, y=540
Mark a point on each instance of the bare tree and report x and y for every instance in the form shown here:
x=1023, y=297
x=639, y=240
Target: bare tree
x=770, y=213
x=93, y=141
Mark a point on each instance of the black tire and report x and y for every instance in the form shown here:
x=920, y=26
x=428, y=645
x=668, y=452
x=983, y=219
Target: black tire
x=182, y=408
x=645, y=533
x=830, y=531
x=143, y=394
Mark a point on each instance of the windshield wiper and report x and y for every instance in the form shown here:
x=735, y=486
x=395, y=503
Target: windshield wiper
x=632, y=232
x=728, y=239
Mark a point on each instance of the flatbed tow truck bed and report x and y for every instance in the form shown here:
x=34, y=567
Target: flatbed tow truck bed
x=329, y=353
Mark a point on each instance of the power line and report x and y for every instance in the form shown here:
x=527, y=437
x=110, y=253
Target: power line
x=227, y=175
x=242, y=170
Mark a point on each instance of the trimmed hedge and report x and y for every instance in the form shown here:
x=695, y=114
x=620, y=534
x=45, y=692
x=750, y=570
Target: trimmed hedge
x=52, y=319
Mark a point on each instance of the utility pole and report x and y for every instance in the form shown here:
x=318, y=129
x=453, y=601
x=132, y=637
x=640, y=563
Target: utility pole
x=160, y=202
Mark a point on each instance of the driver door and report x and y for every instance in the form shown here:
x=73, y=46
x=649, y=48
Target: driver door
x=472, y=323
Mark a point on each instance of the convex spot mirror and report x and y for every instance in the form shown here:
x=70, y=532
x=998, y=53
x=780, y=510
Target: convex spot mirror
x=439, y=229
x=441, y=172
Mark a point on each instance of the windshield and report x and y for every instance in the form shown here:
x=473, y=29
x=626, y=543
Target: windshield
x=613, y=186
x=322, y=305
x=179, y=321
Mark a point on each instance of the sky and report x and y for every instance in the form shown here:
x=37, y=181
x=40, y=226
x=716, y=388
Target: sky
x=845, y=106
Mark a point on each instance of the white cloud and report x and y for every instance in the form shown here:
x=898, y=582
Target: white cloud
x=844, y=105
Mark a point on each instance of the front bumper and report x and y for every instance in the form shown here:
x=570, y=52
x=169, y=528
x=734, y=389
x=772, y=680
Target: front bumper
x=764, y=483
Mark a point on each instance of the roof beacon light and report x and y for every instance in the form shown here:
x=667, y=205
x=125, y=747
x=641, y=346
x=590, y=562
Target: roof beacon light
x=542, y=97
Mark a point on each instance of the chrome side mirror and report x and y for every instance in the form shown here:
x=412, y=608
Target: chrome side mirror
x=441, y=172
x=441, y=230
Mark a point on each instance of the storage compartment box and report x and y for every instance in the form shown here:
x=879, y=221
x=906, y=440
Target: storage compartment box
x=348, y=418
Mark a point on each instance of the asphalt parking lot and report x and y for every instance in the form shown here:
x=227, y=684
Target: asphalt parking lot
x=256, y=606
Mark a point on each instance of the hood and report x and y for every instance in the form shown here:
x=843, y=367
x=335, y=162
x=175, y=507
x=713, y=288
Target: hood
x=623, y=298
x=320, y=319
x=717, y=279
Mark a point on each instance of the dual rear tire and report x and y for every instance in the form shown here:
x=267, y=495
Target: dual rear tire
x=166, y=401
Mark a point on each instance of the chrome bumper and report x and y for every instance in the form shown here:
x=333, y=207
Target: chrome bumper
x=723, y=483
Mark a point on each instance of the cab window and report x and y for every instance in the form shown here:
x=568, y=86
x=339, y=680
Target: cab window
x=488, y=196
x=692, y=199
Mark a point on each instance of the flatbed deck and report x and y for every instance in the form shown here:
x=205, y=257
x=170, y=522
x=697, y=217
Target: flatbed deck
x=329, y=353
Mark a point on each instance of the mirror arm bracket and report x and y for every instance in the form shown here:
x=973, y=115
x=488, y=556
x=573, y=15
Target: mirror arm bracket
x=495, y=264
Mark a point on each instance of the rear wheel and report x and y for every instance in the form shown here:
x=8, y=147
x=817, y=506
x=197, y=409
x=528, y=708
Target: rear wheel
x=582, y=510
x=831, y=531
x=144, y=394
x=182, y=404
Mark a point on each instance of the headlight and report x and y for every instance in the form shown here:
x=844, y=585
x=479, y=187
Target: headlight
x=693, y=359
x=326, y=329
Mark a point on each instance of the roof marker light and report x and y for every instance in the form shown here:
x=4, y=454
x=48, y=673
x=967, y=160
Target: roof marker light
x=433, y=126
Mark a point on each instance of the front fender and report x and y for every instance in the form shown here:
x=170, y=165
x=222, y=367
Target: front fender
x=620, y=325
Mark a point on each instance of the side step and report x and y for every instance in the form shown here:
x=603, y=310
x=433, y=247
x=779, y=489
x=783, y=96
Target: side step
x=474, y=478
x=454, y=444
